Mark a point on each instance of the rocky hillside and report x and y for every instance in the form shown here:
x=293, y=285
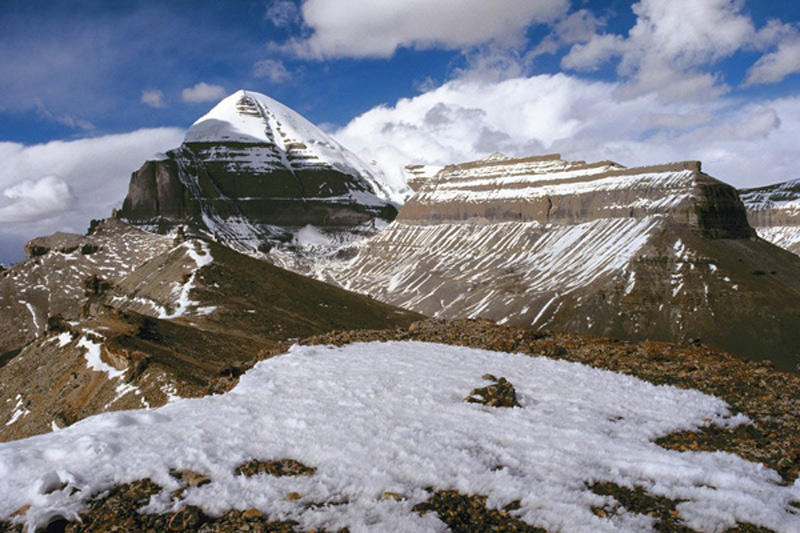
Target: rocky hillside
x=252, y=173
x=184, y=319
x=62, y=271
x=662, y=252
x=774, y=212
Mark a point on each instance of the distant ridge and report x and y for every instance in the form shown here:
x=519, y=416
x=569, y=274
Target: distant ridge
x=774, y=212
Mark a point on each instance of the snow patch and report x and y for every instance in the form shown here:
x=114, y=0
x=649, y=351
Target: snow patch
x=19, y=411
x=383, y=417
x=93, y=355
x=183, y=302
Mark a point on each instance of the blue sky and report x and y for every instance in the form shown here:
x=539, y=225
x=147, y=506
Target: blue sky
x=90, y=89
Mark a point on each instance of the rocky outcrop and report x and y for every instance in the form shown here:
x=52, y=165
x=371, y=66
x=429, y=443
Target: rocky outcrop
x=774, y=212
x=52, y=280
x=251, y=173
x=658, y=253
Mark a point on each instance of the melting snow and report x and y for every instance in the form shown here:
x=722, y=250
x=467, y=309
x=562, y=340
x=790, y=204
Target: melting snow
x=64, y=339
x=183, y=302
x=94, y=359
x=19, y=410
x=391, y=417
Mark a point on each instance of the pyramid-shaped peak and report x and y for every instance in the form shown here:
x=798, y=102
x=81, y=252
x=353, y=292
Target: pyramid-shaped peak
x=250, y=117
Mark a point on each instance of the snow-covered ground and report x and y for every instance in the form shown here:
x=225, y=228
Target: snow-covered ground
x=391, y=417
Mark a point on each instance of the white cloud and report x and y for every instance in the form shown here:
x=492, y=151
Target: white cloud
x=153, y=98
x=775, y=66
x=743, y=144
x=92, y=178
x=65, y=119
x=35, y=200
x=592, y=54
x=282, y=13
x=352, y=28
x=671, y=47
x=203, y=92
x=273, y=69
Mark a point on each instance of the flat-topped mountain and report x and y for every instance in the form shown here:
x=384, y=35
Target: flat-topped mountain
x=251, y=173
x=774, y=212
x=662, y=252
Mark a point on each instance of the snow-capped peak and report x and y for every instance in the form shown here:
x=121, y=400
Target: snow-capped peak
x=253, y=118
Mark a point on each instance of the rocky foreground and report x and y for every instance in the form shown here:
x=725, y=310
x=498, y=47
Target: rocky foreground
x=766, y=396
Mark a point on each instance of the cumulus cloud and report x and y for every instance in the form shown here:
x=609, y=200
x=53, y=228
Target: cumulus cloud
x=62, y=185
x=272, y=69
x=672, y=46
x=203, y=92
x=775, y=66
x=462, y=120
x=153, y=98
x=352, y=28
x=35, y=200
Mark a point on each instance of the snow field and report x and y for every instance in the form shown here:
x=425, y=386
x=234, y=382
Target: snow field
x=380, y=417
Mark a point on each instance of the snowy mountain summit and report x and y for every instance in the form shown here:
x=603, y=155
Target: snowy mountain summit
x=252, y=173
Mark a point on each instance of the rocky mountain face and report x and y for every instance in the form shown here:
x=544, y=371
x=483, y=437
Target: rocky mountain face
x=774, y=212
x=252, y=173
x=126, y=319
x=63, y=271
x=661, y=253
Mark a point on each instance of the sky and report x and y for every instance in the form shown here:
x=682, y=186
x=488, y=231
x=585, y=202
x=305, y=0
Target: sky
x=90, y=89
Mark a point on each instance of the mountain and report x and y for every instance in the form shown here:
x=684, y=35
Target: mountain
x=252, y=173
x=662, y=253
x=123, y=319
x=774, y=212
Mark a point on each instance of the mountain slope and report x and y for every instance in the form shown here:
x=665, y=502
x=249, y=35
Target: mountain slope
x=187, y=322
x=774, y=212
x=62, y=271
x=660, y=252
x=251, y=173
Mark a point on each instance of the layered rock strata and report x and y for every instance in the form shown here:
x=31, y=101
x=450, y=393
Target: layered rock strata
x=662, y=252
x=774, y=212
x=251, y=173
x=63, y=272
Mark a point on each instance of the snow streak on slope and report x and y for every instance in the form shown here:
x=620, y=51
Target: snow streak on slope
x=390, y=417
x=463, y=269
x=182, y=290
x=774, y=211
x=163, y=288
x=787, y=237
